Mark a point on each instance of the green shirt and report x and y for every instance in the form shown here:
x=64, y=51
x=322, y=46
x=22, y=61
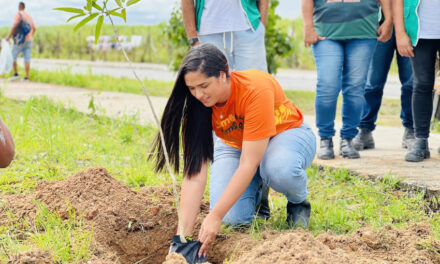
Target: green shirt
x=346, y=19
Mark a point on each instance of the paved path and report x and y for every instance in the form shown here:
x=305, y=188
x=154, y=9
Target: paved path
x=386, y=159
x=289, y=79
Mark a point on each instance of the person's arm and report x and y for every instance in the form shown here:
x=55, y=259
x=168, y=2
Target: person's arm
x=385, y=30
x=14, y=26
x=251, y=155
x=7, y=148
x=189, y=19
x=191, y=196
x=310, y=35
x=403, y=42
x=263, y=6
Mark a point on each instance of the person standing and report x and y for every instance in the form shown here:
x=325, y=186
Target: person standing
x=237, y=27
x=377, y=77
x=343, y=36
x=26, y=46
x=417, y=24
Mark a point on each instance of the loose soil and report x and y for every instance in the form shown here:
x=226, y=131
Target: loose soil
x=130, y=226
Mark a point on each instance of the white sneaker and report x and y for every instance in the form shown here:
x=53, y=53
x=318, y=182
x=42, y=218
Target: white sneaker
x=14, y=78
x=25, y=79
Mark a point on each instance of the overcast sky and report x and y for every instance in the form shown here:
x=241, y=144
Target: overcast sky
x=146, y=12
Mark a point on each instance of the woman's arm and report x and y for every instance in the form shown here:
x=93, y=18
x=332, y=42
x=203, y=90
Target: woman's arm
x=7, y=148
x=191, y=196
x=251, y=155
x=385, y=30
x=310, y=35
x=403, y=42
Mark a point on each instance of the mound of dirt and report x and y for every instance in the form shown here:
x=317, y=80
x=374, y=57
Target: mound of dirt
x=131, y=226
x=32, y=257
x=127, y=226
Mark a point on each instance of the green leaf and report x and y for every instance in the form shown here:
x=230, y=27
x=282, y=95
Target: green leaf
x=98, y=28
x=80, y=15
x=84, y=21
x=96, y=6
x=118, y=2
x=70, y=10
x=132, y=2
x=89, y=5
x=124, y=15
x=114, y=13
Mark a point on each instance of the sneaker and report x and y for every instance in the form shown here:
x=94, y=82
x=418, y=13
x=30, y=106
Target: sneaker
x=298, y=214
x=326, y=149
x=408, y=138
x=364, y=139
x=347, y=150
x=15, y=77
x=26, y=79
x=419, y=151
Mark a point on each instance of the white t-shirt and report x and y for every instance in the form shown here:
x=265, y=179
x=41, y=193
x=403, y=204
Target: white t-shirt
x=223, y=16
x=429, y=14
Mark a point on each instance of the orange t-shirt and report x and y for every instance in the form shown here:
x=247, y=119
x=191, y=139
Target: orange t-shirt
x=256, y=109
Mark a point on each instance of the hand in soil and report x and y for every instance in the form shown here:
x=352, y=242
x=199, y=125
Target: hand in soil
x=208, y=232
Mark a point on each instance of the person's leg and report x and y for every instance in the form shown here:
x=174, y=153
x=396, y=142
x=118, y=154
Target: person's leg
x=27, y=54
x=376, y=79
x=329, y=57
x=226, y=162
x=223, y=42
x=423, y=65
x=15, y=52
x=283, y=168
x=357, y=59
x=249, y=50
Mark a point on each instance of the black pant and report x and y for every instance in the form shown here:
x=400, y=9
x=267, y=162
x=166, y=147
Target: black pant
x=423, y=65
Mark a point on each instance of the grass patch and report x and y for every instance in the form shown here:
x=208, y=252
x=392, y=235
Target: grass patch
x=98, y=82
x=66, y=240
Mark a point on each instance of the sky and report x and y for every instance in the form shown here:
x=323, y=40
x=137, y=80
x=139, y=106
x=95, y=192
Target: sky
x=145, y=12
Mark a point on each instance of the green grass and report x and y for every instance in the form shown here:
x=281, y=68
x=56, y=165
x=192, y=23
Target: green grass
x=53, y=143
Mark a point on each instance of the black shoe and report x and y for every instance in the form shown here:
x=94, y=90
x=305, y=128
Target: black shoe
x=298, y=214
x=364, y=139
x=347, y=150
x=408, y=138
x=326, y=149
x=263, y=209
x=418, y=151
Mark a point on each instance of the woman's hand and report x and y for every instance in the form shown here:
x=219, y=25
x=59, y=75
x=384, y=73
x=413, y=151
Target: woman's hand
x=310, y=36
x=404, y=45
x=385, y=31
x=208, y=232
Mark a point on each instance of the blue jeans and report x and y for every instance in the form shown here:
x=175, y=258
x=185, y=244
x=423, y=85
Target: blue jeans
x=283, y=168
x=244, y=50
x=25, y=48
x=377, y=77
x=341, y=65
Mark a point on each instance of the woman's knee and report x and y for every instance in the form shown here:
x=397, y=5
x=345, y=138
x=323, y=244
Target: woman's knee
x=242, y=213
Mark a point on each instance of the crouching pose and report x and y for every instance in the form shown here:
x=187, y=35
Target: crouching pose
x=259, y=137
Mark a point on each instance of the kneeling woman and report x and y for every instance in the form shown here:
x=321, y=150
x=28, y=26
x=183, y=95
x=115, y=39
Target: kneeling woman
x=259, y=137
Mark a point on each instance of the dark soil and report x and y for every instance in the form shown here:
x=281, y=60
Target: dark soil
x=131, y=226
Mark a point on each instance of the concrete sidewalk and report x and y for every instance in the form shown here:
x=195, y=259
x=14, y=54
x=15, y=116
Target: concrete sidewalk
x=386, y=159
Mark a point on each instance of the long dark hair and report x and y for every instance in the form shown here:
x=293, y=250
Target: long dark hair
x=184, y=111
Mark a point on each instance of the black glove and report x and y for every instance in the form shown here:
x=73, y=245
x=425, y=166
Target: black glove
x=189, y=250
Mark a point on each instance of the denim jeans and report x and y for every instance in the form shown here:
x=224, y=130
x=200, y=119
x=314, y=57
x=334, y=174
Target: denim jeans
x=423, y=65
x=341, y=65
x=244, y=50
x=282, y=168
x=25, y=48
x=377, y=77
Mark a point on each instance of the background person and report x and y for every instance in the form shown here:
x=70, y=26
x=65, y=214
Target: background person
x=237, y=27
x=417, y=24
x=26, y=47
x=377, y=77
x=260, y=137
x=7, y=148
x=343, y=35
